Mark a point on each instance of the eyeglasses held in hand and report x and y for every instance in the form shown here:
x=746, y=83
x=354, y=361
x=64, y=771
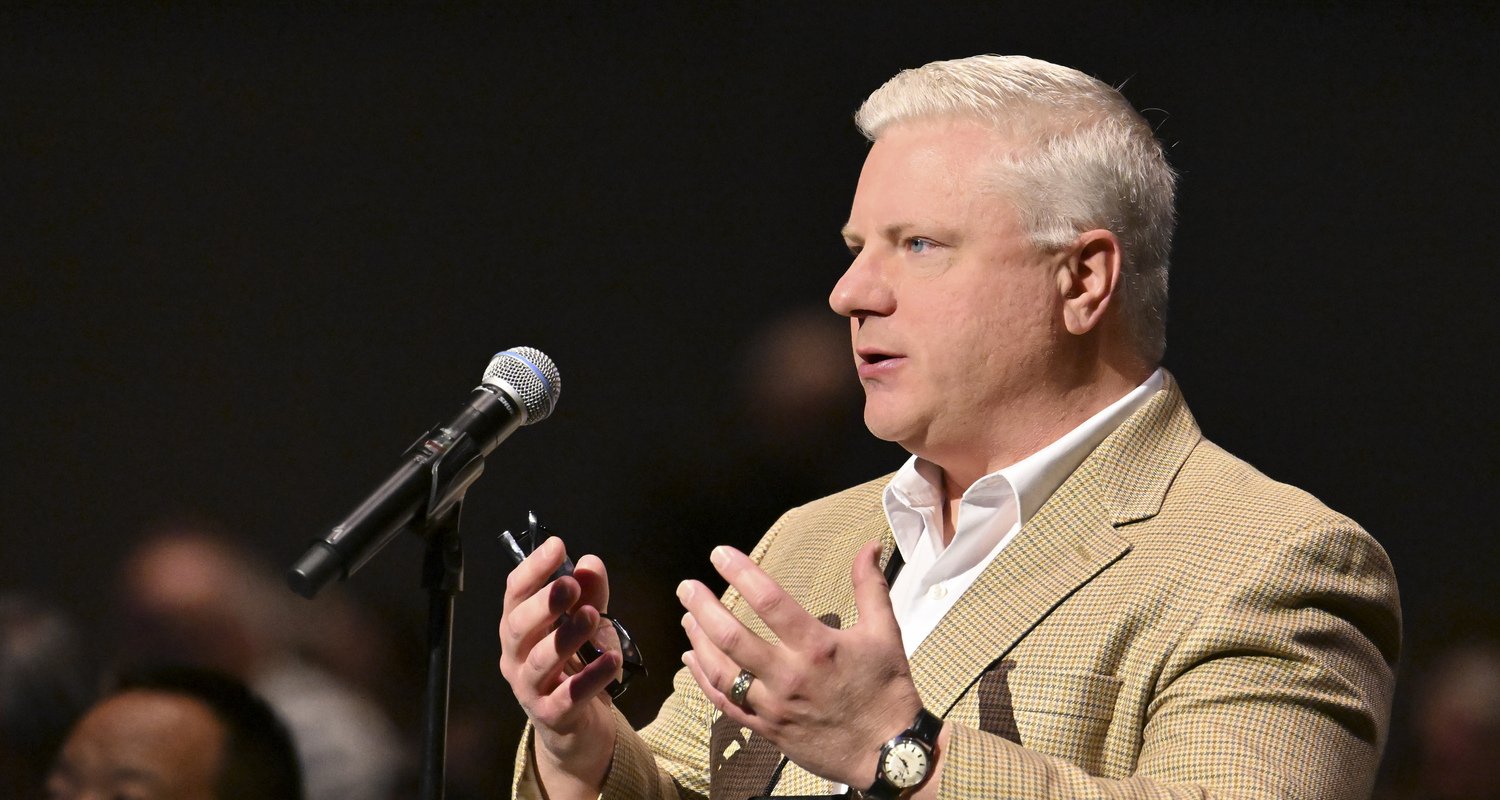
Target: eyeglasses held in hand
x=605, y=637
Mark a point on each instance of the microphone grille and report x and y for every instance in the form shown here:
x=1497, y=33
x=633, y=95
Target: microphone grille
x=530, y=376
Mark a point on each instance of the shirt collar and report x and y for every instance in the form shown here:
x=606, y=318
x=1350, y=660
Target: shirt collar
x=917, y=486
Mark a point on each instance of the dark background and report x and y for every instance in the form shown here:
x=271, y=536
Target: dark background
x=249, y=255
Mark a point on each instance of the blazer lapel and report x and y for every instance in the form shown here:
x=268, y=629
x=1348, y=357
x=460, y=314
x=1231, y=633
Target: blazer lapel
x=1071, y=539
x=1061, y=549
x=835, y=605
x=819, y=578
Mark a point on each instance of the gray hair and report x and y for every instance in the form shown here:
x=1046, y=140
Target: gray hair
x=1082, y=159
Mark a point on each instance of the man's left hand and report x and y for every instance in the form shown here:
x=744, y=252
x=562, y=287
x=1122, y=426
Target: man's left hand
x=828, y=698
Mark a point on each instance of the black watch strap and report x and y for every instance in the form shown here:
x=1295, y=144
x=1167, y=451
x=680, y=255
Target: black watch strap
x=924, y=729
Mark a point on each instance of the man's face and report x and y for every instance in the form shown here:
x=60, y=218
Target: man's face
x=141, y=745
x=955, y=316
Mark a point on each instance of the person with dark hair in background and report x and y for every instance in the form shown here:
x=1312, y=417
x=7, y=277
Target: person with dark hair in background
x=178, y=733
x=44, y=686
x=191, y=595
x=1096, y=601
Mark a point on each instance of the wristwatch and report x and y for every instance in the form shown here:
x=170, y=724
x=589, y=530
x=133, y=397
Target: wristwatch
x=906, y=760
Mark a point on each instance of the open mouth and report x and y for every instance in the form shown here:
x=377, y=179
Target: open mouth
x=871, y=362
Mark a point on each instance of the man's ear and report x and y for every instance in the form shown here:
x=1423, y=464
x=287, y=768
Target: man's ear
x=1088, y=278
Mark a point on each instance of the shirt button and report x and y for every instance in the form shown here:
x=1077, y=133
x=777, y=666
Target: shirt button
x=938, y=591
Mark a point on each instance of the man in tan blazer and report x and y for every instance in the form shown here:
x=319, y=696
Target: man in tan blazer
x=1097, y=602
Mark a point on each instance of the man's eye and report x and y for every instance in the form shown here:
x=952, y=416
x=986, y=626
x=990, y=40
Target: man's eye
x=919, y=245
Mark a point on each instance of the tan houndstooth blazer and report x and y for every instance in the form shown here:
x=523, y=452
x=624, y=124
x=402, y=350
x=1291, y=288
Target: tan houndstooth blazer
x=1171, y=623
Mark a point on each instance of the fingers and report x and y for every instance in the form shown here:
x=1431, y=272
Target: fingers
x=594, y=582
x=717, y=668
x=719, y=631
x=522, y=626
x=533, y=607
x=872, y=595
x=554, y=654
x=593, y=679
x=545, y=668
x=710, y=687
x=524, y=619
x=532, y=574
x=789, y=621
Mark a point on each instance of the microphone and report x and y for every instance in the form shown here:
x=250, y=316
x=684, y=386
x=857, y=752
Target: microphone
x=520, y=387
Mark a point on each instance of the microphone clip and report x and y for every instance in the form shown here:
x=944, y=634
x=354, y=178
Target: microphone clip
x=453, y=463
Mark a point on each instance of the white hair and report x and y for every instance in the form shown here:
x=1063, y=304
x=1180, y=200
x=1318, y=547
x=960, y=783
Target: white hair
x=1081, y=159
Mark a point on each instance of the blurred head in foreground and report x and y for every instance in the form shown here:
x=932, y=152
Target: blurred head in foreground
x=44, y=686
x=177, y=733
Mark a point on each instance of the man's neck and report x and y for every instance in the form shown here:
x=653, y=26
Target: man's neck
x=1027, y=431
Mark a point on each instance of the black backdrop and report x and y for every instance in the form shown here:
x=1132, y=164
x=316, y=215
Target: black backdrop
x=249, y=255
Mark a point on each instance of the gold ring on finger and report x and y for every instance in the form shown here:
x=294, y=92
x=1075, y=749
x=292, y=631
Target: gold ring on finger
x=740, y=688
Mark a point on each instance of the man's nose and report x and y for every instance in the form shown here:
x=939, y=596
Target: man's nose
x=862, y=291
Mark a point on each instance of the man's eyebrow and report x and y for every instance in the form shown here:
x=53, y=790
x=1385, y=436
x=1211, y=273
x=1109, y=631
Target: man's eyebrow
x=892, y=231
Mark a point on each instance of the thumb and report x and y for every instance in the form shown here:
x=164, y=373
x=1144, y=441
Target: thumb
x=872, y=595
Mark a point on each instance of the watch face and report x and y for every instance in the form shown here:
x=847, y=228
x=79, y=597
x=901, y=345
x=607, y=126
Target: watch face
x=905, y=764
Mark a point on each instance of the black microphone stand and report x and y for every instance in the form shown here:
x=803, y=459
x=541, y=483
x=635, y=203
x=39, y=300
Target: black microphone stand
x=443, y=578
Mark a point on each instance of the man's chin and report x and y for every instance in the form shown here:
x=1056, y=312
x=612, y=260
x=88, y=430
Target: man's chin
x=888, y=426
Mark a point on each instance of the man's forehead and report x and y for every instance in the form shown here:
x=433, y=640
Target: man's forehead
x=954, y=152
x=149, y=736
x=927, y=175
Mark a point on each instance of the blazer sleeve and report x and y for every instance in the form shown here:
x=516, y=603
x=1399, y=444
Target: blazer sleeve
x=1280, y=688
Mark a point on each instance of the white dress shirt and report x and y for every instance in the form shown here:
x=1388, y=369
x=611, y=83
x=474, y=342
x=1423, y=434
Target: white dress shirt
x=990, y=514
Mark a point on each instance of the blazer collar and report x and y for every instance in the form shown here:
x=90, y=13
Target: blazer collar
x=1071, y=539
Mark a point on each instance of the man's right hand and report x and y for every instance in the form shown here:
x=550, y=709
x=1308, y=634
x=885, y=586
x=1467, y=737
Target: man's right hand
x=566, y=702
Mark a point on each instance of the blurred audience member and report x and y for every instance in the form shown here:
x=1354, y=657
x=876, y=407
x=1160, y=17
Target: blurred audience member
x=44, y=686
x=178, y=733
x=1457, y=724
x=794, y=388
x=791, y=429
x=190, y=596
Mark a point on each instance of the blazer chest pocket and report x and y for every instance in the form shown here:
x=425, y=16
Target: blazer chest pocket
x=1063, y=714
